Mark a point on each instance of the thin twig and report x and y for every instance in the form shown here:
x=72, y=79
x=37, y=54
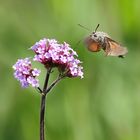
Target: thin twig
x=47, y=79
x=39, y=90
x=54, y=83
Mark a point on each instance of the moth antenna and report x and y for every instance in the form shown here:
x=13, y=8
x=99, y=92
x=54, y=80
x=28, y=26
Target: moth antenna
x=96, y=28
x=84, y=27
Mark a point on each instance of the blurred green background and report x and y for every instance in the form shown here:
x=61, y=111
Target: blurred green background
x=105, y=105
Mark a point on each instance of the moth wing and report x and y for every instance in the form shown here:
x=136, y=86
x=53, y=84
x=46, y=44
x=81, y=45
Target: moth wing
x=92, y=45
x=115, y=49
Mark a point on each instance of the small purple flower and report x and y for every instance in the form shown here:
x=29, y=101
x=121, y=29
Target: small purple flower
x=25, y=74
x=36, y=72
x=34, y=82
x=52, y=54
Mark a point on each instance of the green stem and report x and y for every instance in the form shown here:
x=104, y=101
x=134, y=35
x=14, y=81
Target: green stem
x=42, y=106
x=42, y=115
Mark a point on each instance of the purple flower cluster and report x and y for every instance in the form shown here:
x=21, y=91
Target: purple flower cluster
x=25, y=74
x=52, y=54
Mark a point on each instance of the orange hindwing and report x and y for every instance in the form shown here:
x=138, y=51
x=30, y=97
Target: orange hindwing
x=92, y=45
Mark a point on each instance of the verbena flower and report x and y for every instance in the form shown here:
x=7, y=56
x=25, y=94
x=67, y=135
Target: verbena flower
x=52, y=54
x=25, y=73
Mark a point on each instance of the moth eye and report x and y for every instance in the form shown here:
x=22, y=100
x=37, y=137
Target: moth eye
x=95, y=35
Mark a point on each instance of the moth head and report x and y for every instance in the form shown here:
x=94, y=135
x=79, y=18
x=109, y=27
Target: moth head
x=94, y=35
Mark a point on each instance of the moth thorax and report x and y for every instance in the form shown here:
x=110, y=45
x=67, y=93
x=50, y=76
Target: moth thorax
x=99, y=37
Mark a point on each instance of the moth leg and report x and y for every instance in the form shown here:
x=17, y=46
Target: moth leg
x=121, y=56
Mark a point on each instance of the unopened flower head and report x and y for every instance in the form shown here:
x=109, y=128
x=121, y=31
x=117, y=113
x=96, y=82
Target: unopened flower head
x=25, y=73
x=52, y=54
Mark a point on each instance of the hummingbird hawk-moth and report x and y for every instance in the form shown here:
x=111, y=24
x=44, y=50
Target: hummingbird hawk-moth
x=102, y=41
